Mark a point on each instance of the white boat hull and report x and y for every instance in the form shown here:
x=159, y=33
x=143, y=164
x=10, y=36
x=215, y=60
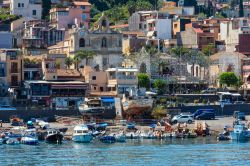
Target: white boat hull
x=82, y=138
x=29, y=140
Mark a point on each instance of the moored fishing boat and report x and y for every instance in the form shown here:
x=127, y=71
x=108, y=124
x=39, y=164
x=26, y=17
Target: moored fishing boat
x=240, y=132
x=29, y=138
x=82, y=134
x=136, y=105
x=54, y=136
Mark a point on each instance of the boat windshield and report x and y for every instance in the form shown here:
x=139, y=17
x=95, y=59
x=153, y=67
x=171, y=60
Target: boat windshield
x=81, y=131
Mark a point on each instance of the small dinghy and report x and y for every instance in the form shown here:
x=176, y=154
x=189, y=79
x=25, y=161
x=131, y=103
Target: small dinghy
x=223, y=137
x=12, y=141
x=108, y=139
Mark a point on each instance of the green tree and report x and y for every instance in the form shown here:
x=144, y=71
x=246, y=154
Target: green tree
x=160, y=86
x=143, y=5
x=178, y=51
x=84, y=54
x=143, y=80
x=229, y=79
x=46, y=6
x=202, y=15
x=209, y=49
x=159, y=112
x=68, y=61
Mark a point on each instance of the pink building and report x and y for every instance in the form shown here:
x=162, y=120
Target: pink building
x=66, y=17
x=85, y=6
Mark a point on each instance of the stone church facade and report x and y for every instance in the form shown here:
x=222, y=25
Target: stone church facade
x=106, y=43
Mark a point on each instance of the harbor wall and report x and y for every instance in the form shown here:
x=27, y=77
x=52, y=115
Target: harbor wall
x=27, y=114
x=228, y=109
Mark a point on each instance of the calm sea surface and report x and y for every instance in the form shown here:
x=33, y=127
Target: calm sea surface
x=200, y=151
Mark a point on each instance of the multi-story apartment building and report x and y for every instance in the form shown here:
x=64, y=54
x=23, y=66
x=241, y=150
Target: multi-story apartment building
x=14, y=66
x=77, y=14
x=152, y=23
x=37, y=35
x=26, y=8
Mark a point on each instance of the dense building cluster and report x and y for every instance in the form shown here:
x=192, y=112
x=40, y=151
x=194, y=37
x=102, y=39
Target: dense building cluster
x=58, y=60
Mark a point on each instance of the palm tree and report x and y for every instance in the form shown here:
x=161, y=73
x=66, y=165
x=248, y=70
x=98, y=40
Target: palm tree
x=68, y=61
x=76, y=61
x=85, y=54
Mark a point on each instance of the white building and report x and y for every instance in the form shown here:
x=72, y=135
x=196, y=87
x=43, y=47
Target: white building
x=26, y=8
x=230, y=30
x=153, y=24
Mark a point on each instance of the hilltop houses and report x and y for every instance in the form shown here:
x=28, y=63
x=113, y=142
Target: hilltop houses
x=60, y=60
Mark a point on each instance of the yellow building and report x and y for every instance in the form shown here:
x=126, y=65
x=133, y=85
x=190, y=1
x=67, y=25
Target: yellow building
x=14, y=66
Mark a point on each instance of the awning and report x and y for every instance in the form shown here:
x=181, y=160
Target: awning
x=111, y=100
x=68, y=87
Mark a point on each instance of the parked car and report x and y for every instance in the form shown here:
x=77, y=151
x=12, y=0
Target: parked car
x=206, y=116
x=182, y=118
x=239, y=115
x=200, y=111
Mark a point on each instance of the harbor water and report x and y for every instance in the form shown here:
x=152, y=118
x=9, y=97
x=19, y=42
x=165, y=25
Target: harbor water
x=199, y=151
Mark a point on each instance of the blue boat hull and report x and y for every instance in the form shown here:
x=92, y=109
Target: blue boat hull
x=239, y=136
x=82, y=138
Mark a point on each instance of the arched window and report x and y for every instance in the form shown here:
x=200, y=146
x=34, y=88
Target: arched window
x=143, y=68
x=104, y=42
x=82, y=42
x=104, y=23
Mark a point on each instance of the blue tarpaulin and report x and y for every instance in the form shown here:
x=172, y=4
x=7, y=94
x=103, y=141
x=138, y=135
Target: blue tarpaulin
x=108, y=100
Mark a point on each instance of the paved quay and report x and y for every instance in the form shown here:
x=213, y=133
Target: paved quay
x=216, y=125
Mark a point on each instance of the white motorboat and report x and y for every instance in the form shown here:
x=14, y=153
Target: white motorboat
x=133, y=135
x=29, y=138
x=82, y=134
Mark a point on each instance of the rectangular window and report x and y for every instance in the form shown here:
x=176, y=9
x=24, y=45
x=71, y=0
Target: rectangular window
x=33, y=12
x=19, y=4
x=22, y=4
x=84, y=16
x=93, y=77
x=83, y=7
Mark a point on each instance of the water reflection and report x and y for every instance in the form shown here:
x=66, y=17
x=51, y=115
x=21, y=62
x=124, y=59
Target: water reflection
x=199, y=151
